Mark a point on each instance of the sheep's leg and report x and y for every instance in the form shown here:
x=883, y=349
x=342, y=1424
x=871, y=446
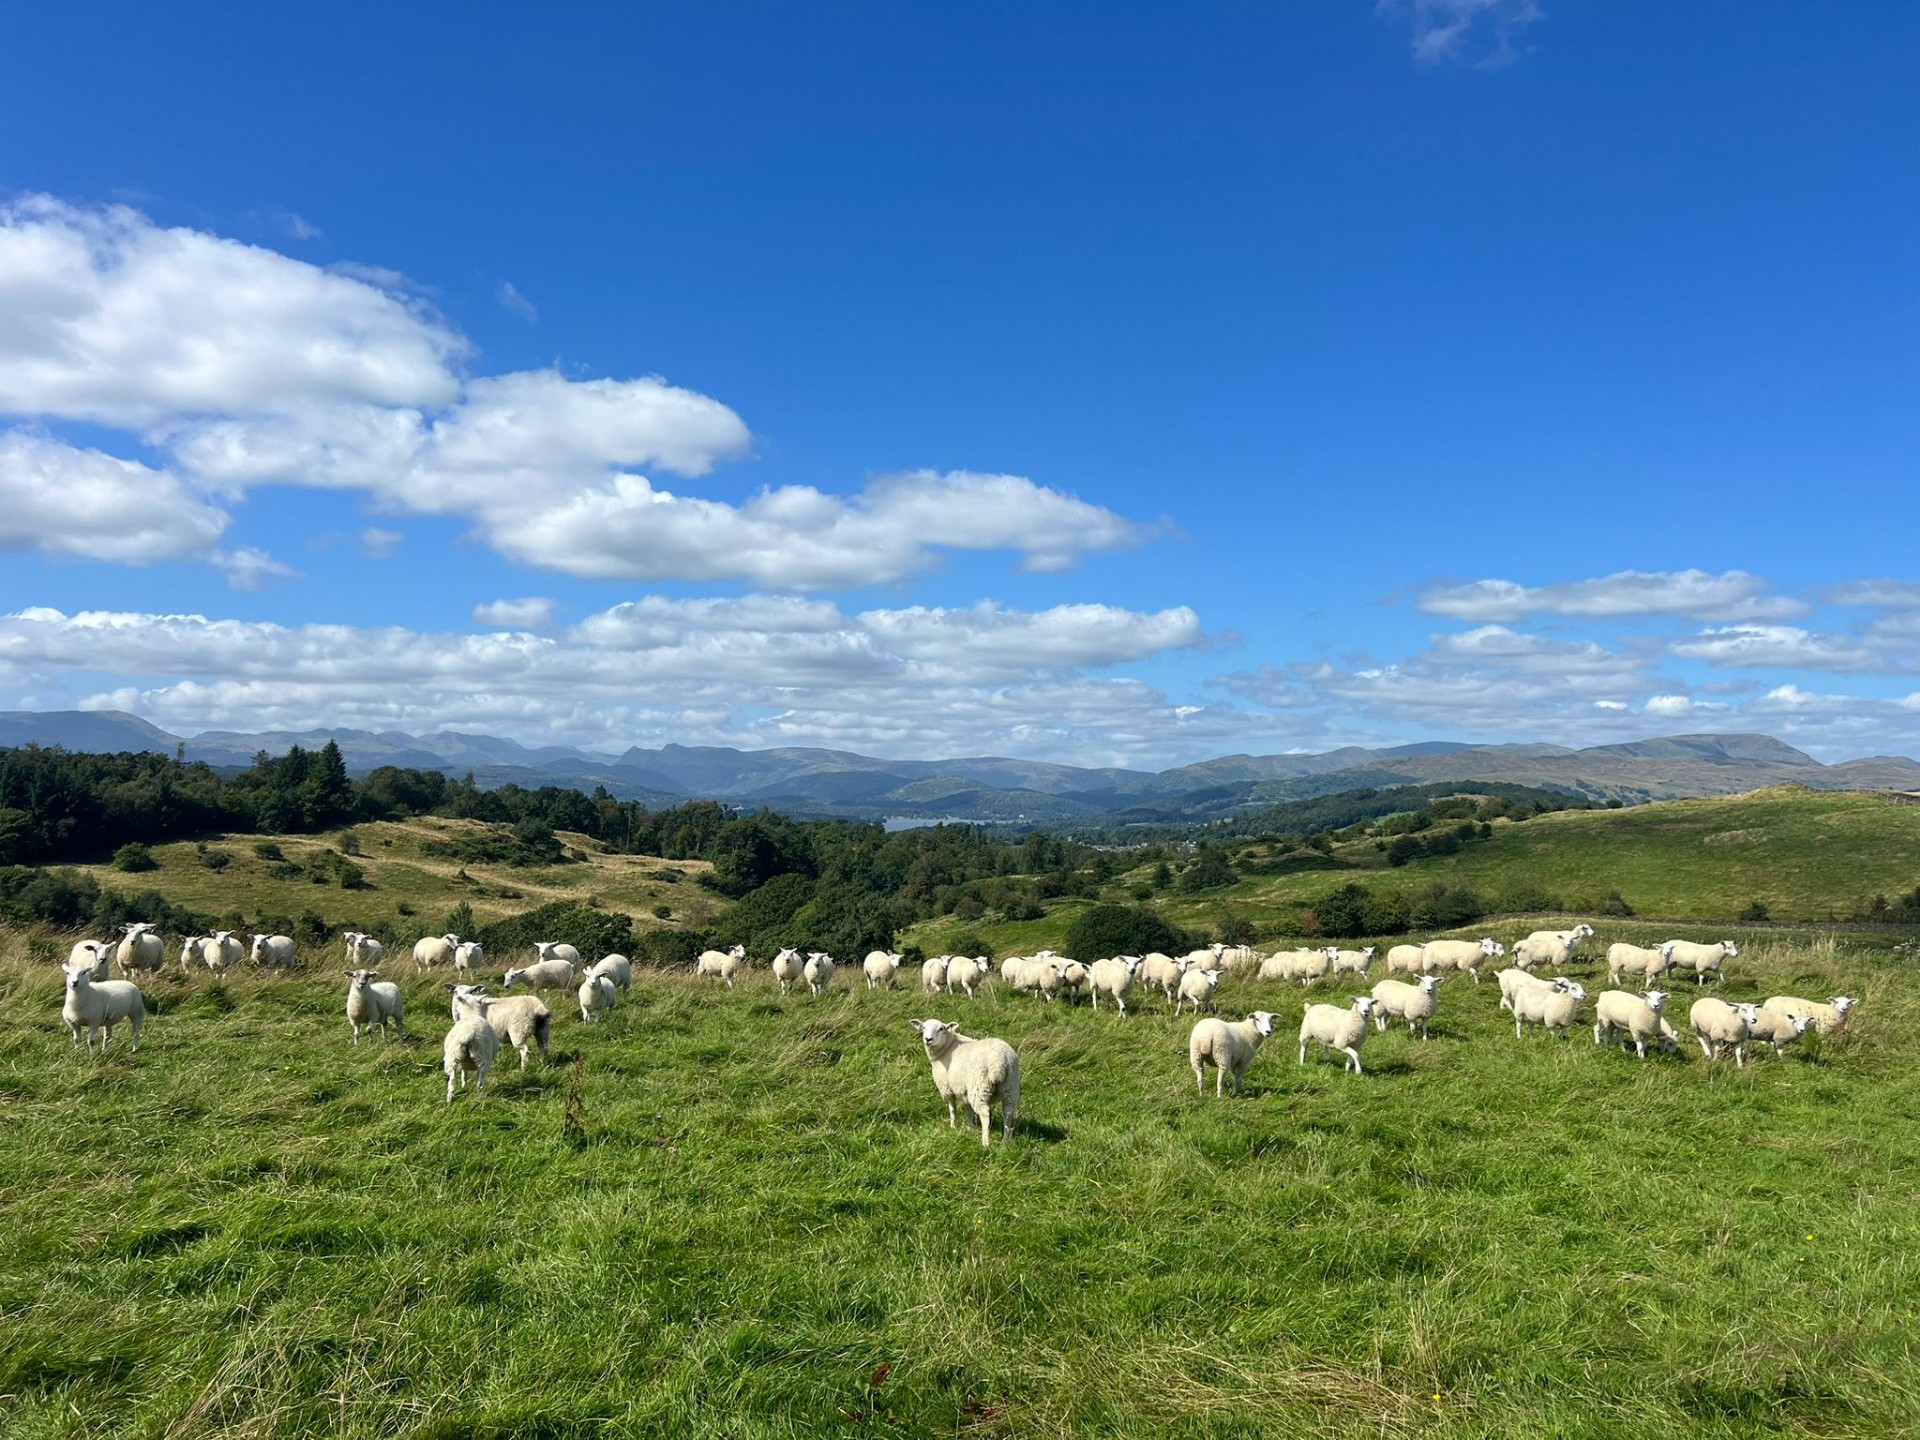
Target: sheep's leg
x=953, y=1118
x=985, y=1111
x=1303, y=1052
x=1353, y=1057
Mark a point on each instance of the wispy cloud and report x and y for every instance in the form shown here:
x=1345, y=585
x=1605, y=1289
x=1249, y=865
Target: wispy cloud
x=380, y=544
x=514, y=303
x=1733, y=595
x=1481, y=33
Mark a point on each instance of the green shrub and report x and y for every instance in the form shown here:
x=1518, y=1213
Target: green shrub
x=134, y=857
x=1103, y=930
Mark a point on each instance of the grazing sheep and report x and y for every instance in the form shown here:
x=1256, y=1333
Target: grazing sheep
x=1718, y=1026
x=471, y=1045
x=1236, y=958
x=818, y=970
x=1404, y=960
x=787, y=968
x=1690, y=955
x=1112, y=978
x=933, y=973
x=432, y=950
x=94, y=1005
x=879, y=968
x=1625, y=959
x=1439, y=956
x=1306, y=966
x=96, y=955
x=1335, y=1027
x=1210, y=958
x=1828, y=1019
x=271, y=949
x=1228, y=1046
x=722, y=964
x=1196, y=989
x=1047, y=978
x=140, y=949
x=1350, y=962
x=1554, y=1007
x=372, y=1003
x=560, y=950
x=469, y=956
x=521, y=1021
x=542, y=975
x=1636, y=1016
x=1770, y=1027
x=1160, y=972
x=973, y=1072
x=616, y=969
x=966, y=972
x=596, y=996
x=1415, y=1004
x=1074, y=978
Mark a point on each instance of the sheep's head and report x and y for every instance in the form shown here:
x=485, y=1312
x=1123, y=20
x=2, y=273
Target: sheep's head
x=360, y=977
x=1363, y=1005
x=1491, y=947
x=1748, y=1012
x=1430, y=983
x=936, y=1035
x=1263, y=1022
x=1575, y=989
x=1800, y=1024
x=1655, y=999
x=1842, y=1004
x=78, y=973
x=1733, y=951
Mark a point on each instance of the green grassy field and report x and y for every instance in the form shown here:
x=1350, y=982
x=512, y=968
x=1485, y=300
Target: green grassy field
x=253, y=1228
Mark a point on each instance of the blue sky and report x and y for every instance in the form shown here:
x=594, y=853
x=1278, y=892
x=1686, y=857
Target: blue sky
x=1103, y=383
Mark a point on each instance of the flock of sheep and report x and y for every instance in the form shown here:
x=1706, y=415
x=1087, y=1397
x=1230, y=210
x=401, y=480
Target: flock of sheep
x=980, y=1073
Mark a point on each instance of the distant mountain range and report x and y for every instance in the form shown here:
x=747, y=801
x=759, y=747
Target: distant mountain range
x=989, y=789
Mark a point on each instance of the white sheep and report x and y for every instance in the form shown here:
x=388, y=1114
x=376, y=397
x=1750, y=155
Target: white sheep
x=1636, y=1016
x=1239, y=957
x=560, y=950
x=1513, y=980
x=96, y=955
x=933, y=972
x=879, y=968
x=1550, y=947
x=616, y=969
x=220, y=952
x=1691, y=955
x=1228, y=1046
x=1415, y=1004
x=468, y=956
x=818, y=971
x=471, y=1045
x=271, y=949
x=1160, y=972
x=1113, y=978
x=95, y=1005
x=972, y=1072
x=1828, y=1019
x=1350, y=962
x=1075, y=977
x=788, y=966
x=721, y=964
x=1210, y=958
x=1770, y=1027
x=190, y=953
x=1304, y=965
x=1625, y=959
x=596, y=996
x=1719, y=1026
x=542, y=975
x=1403, y=960
x=362, y=949
x=372, y=1003
x=140, y=949
x=966, y=971
x=1553, y=1007
x=1046, y=977
x=1196, y=989
x=432, y=950
x=1335, y=1027
x=1440, y=956
x=521, y=1021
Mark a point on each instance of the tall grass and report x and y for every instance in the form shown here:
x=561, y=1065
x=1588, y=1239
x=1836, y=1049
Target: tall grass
x=763, y=1226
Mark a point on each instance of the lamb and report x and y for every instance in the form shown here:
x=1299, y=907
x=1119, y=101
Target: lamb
x=1196, y=988
x=190, y=953
x=219, y=952
x=471, y=1045
x=1625, y=959
x=596, y=996
x=1553, y=1007
x=1227, y=1046
x=1160, y=972
x=94, y=1005
x=1210, y=958
x=933, y=973
x=96, y=955
x=468, y=956
x=1439, y=956
x=1397, y=1000
x=976, y=1072
x=1306, y=966
x=363, y=949
x=818, y=971
x=722, y=964
x=1550, y=947
x=1638, y=1016
x=966, y=972
x=271, y=950
x=1770, y=1027
x=879, y=968
x=521, y=1021
x=432, y=950
x=1690, y=955
x=542, y=975
x=1046, y=978
x=1333, y=1027
x=372, y=1003
x=1828, y=1019
x=560, y=950
x=1073, y=978
x=141, y=949
x=1718, y=1026
x=1112, y=978
x=1349, y=962
x=1403, y=960
x=616, y=969
x=787, y=967
x=1513, y=980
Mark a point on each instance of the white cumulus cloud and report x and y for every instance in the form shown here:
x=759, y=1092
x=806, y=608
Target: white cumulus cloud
x=88, y=504
x=1734, y=595
x=534, y=612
